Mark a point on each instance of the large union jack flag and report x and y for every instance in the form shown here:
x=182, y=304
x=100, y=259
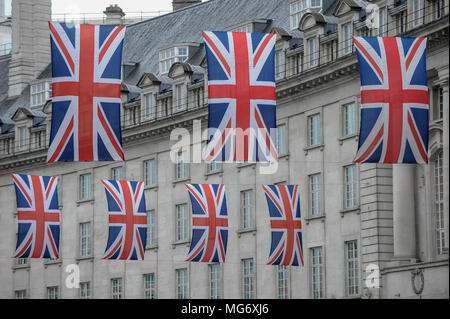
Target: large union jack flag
x=241, y=96
x=86, y=85
x=127, y=220
x=394, y=100
x=286, y=225
x=38, y=216
x=209, y=223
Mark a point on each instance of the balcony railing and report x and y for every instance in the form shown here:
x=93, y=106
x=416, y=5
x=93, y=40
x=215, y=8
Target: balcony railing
x=5, y=49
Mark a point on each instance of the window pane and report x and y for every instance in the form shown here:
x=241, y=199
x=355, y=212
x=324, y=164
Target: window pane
x=314, y=129
x=316, y=272
x=149, y=172
x=281, y=139
x=151, y=228
x=315, y=191
x=182, y=222
x=247, y=209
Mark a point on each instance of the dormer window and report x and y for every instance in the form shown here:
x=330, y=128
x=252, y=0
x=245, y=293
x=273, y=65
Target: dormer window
x=300, y=7
x=169, y=56
x=40, y=93
x=244, y=28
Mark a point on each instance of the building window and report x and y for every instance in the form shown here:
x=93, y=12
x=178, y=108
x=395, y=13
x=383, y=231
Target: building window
x=116, y=288
x=198, y=94
x=248, y=279
x=38, y=139
x=438, y=103
x=279, y=64
x=352, y=264
x=316, y=273
x=52, y=292
x=151, y=228
x=85, y=239
x=439, y=202
x=213, y=166
x=117, y=173
x=312, y=52
x=316, y=4
x=349, y=119
x=150, y=172
x=401, y=22
x=417, y=12
x=438, y=8
x=180, y=102
x=20, y=294
x=85, y=290
x=182, y=283
x=298, y=9
x=7, y=142
x=149, y=286
x=314, y=129
x=182, y=222
x=330, y=49
x=247, y=209
x=382, y=21
x=22, y=261
x=181, y=166
x=169, y=56
x=281, y=139
x=148, y=100
x=315, y=185
x=85, y=186
x=215, y=277
x=351, y=184
x=40, y=93
x=348, y=33
x=22, y=137
x=248, y=28
x=283, y=282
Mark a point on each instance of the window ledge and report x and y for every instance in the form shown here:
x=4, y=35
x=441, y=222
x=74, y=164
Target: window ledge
x=52, y=262
x=284, y=156
x=153, y=186
x=216, y=172
x=25, y=266
x=89, y=200
x=355, y=209
x=152, y=247
x=358, y=296
x=181, y=180
x=81, y=258
x=176, y=243
x=315, y=217
x=241, y=231
x=246, y=164
x=308, y=148
x=347, y=137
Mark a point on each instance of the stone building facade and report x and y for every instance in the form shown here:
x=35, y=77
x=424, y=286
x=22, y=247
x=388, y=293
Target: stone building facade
x=369, y=230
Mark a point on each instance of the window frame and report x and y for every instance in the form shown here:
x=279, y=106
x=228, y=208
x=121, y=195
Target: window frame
x=87, y=252
x=310, y=127
x=320, y=266
x=356, y=268
x=182, y=223
x=247, y=218
x=215, y=291
x=147, y=181
x=81, y=196
x=184, y=286
x=354, y=185
x=314, y=200
x=116, y=283
x=150, y=290
x=248, y=272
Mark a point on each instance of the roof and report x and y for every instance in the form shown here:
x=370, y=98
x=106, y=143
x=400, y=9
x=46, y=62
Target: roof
x=143, y=39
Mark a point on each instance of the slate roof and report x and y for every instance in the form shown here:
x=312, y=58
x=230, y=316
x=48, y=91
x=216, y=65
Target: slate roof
x=143, y=41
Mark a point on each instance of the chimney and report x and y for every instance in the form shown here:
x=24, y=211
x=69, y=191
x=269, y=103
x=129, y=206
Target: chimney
x=30, y=52
x=180, y=4
x=114, y=15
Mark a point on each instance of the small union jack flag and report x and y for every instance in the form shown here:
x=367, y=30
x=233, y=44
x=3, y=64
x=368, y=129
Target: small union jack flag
x=286, y=225
x=86, y=86
x=38, y=216
x=209, y=223
x=241, y=96
x=127, y=220
x=394, y=100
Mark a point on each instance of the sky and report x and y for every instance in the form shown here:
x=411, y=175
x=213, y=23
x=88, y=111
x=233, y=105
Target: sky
x=98, y=6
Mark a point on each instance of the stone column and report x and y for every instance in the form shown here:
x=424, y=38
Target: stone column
x=404, y=211
x=445, y=125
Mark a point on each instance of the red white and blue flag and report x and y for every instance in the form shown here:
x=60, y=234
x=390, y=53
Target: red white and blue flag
x=286, y=226
x=127, y=220
x=38, y=216
x=209, y=223
x=86, y=86
x=394, y=100
x=241, y=97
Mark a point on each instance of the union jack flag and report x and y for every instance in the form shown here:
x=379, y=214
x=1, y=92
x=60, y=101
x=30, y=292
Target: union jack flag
x=209, y=223
x=241, y=96
x=38, y=216
x=286, y=225
x=86, y=85
x=394, y=100
x=127, y=220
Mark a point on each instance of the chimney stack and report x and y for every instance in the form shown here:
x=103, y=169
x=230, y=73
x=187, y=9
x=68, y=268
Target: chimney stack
x=180, y=4
x=114, y=15
x=30, y=52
